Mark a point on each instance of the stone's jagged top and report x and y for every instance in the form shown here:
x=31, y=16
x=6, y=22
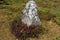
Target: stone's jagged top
x=31, y=4
x=30, y=15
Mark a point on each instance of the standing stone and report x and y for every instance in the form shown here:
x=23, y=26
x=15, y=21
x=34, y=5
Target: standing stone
x=30, y=15
x=29, y=24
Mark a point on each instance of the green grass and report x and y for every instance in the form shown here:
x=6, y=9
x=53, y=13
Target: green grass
x=14, y=10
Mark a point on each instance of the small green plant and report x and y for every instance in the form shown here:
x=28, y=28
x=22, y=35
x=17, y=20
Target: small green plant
x=57, y=38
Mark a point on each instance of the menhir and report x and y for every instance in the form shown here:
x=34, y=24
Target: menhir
x=29, y=24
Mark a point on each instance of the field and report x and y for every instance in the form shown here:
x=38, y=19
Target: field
x=49, y=13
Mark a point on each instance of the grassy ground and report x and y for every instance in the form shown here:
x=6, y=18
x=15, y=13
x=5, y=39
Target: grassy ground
x=11, y=9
